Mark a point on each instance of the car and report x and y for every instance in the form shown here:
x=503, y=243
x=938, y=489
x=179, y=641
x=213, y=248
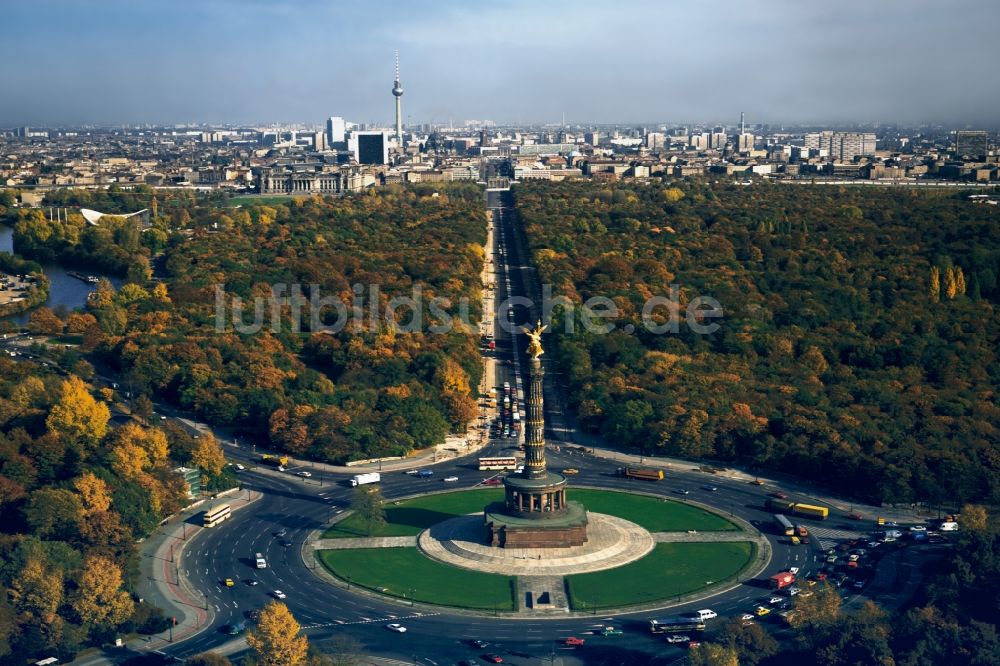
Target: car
x=252, y=582
x=793, y=570
x=859, y=584
x=918, y=528
x=253, y=614
x=278, y=594
x=676, y=638
x=305, y=475
x=775, y=600
x=412, y=472
x=478, y=644
x=239, y=467
x=286, y=544
x=710, y=489
x=762, y=610
x=280, y=533
x=229, y=582
x=806, y=593
x=611, y=631
x=235, y=629
x=682, y=491
x=747, y=617
x=853, y=557
x=281, y=468
x=891, y=523
x=855, y=516
x=571, y=470
x=792, y=591
x=493, y=658
x=450, y=479
x=395, y=626
x=492, y=482
x=831, y=559
x=810, y=582
x=821, y=575
x=779, y=495
x=757, y=482
x=693, y=644
x=573, y=640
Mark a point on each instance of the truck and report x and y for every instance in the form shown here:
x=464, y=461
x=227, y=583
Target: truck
x=797, y=508
x=261, y=562
x=780, y=581
x=362, y=479
x=640, y=473
x=273, y=460
x=424, y=473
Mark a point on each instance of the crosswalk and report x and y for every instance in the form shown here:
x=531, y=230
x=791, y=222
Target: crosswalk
x=828, y=537
x=366, y=620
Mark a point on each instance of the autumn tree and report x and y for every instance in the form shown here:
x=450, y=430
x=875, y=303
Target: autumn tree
x=713, y=654
x=100, y=601
x=77, y=415
x=369, y=505
x=36, y=594
x=207, y=454
x=751, y=642
x=94, y=493
x=208, y=659
x=974, y=518
x=276, y=638
x=44, y=321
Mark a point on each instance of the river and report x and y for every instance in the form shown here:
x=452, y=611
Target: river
x=65, y=291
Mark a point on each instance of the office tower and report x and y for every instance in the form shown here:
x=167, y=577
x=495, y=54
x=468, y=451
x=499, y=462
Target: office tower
x=971, y=143
x=336, y=128
x=397, y=91
x=370, y=147
x=719, y=140
x=745, y=142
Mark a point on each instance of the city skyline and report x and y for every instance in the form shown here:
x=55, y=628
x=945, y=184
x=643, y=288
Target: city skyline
x=222, y=61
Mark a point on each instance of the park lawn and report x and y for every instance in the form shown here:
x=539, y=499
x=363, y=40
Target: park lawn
x=406, y=573
x=670, y=570
x=653, y=513
x=411, y=517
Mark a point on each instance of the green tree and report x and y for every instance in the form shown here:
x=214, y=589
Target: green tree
x=369, y=505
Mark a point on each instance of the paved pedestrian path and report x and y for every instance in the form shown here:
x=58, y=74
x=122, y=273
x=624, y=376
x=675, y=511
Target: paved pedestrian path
x=365, y=542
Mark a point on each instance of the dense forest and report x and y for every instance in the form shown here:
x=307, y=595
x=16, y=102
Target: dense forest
x=77, y=491
x=306, y=379
x=858, y=344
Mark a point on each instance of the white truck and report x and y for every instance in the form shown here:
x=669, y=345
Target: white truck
x=261, y=562
x=362, y=479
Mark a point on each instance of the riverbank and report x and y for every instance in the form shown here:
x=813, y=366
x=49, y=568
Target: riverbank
x=23, y=285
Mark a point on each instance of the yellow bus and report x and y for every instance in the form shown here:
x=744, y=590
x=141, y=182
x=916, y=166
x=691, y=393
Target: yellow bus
x=215, y=516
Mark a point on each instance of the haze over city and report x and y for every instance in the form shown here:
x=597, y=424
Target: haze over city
x=248, y=61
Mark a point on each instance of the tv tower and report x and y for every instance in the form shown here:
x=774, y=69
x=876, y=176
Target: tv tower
x=743, y=127
x=397, y=91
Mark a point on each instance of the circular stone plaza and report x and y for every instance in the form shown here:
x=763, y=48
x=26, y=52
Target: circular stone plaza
x=534, y=551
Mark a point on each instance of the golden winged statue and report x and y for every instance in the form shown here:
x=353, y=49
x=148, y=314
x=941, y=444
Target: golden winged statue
x=535, y=345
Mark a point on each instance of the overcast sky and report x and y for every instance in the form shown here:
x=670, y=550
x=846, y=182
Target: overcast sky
x=627, y=61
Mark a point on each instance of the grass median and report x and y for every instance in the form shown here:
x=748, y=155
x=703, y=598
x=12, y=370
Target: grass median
x=407, y=574
x=669, y=571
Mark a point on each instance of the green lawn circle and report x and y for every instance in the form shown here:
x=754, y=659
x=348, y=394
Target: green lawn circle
x=670, y=570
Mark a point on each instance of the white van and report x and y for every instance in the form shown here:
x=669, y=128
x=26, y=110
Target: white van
x=706, y=614
x=949, y=526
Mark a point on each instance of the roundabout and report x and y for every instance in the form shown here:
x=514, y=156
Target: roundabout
x=625, y=564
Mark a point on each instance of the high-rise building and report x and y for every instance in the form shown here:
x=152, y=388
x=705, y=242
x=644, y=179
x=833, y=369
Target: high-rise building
x=719, y=139
x=744, y=143
x=336, y=129
x=841, y=146
x=370, y=147
x=971, y=143
x=397, y=92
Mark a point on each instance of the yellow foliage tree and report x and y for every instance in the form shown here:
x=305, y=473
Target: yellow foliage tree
x=960, y=280
x=29, y=392
x=673, y=194
x=93, y=492
x=100, y=600
x=129, y=460
x=713, y=654
x=934, y=291
x=974, y=518
x=77, y=415
x=207, y=454
x=160, y=293
x=276, y=639
x=151, y=440
x=37, y=592
x=950, y=285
